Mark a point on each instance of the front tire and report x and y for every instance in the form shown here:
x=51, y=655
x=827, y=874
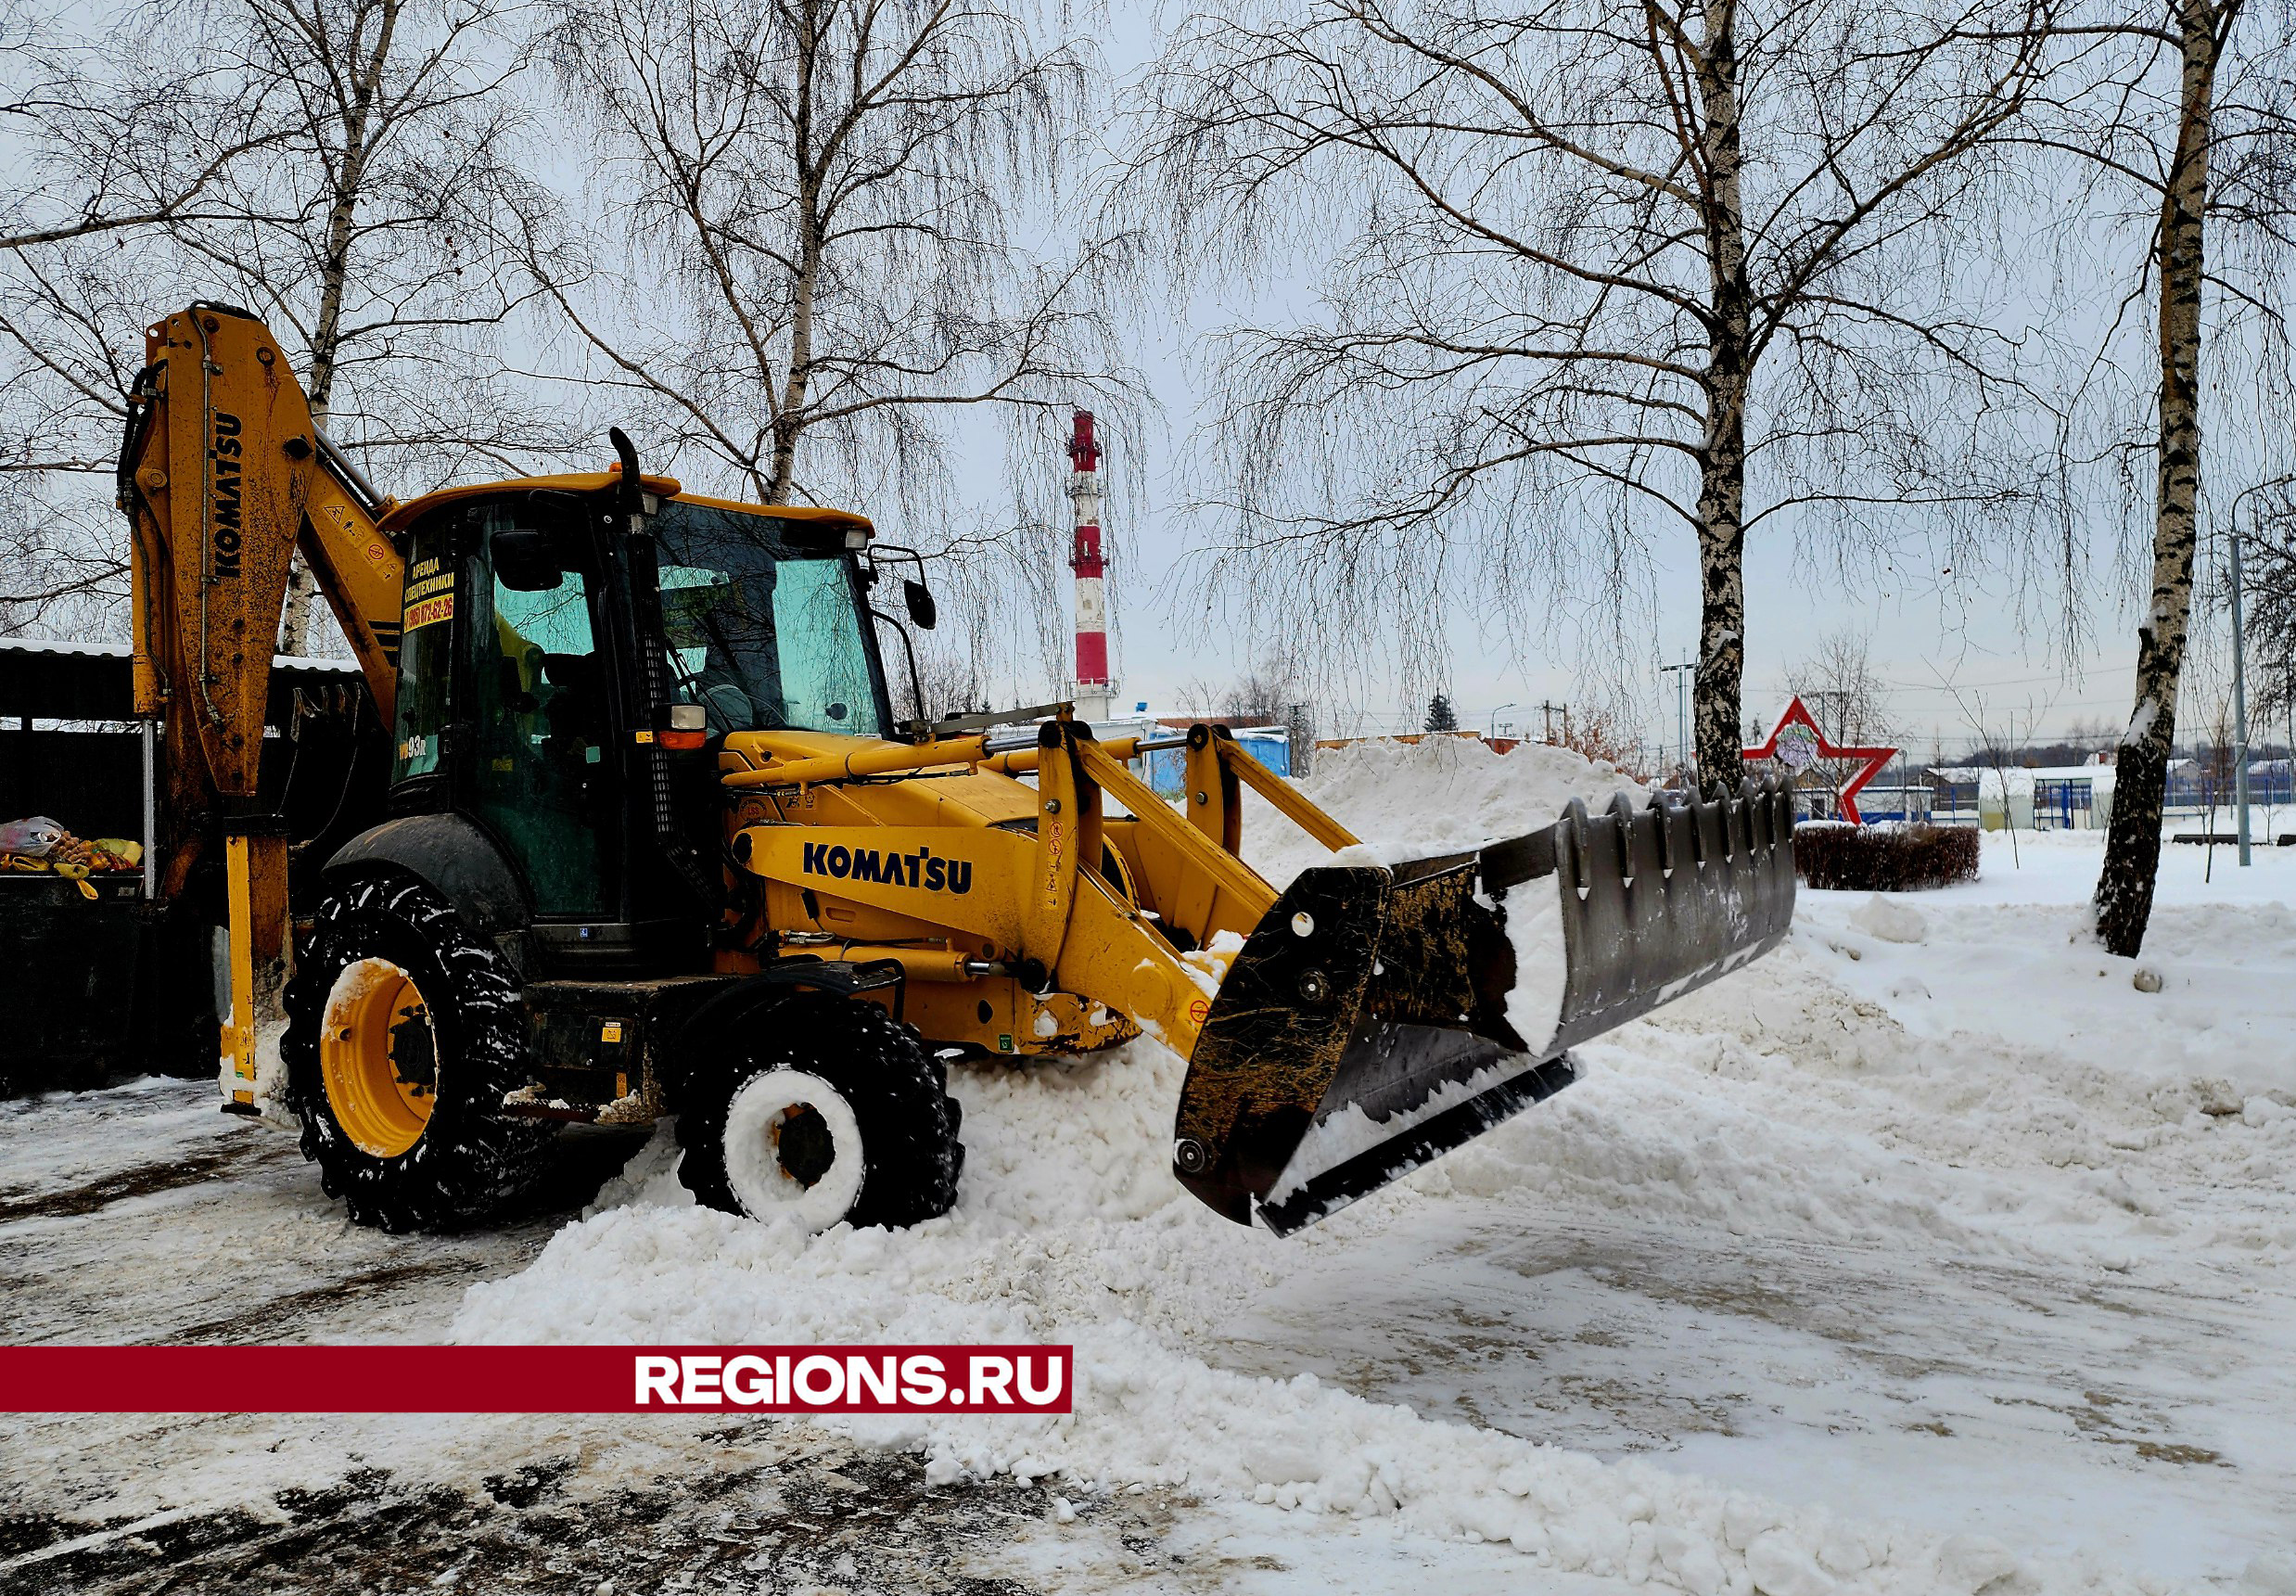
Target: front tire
x=834, y=1112
x=403, y=1032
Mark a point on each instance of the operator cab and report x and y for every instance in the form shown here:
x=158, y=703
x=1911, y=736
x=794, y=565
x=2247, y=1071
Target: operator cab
x=553, y=647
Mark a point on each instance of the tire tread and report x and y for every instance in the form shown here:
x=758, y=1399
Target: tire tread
x=471, y=1159
x=896, y=1089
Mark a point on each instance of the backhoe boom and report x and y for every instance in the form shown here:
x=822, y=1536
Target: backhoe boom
x=224, y=474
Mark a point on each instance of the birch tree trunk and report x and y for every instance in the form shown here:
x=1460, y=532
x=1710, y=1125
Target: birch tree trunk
x=2123, y=899
x=356, y=111
x=302, y=593
x=1720, y=683
x=1718, y=687
x=789, y=416
x=789, y=410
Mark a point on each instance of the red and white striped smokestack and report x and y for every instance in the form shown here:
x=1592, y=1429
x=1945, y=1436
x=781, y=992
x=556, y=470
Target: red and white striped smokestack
x=1093, y=689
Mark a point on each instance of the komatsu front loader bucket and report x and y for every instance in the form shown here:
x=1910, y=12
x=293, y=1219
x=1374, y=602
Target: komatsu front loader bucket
x=1382, y=1014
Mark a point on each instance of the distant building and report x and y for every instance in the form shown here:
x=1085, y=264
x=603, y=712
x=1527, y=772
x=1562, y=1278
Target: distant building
x=1892, y=801
x=2044, y=798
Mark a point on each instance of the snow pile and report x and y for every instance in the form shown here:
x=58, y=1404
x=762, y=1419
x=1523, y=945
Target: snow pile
x=1891, y=919
x=1439, y=795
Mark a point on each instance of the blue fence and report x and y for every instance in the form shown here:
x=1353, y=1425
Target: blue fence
x=1167, y=768
x=2206, y=782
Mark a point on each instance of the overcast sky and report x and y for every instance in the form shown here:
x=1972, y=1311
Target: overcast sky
x=1927, y=627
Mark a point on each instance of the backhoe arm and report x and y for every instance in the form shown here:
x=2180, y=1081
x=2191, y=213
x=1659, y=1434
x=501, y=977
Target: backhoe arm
x=223, y=475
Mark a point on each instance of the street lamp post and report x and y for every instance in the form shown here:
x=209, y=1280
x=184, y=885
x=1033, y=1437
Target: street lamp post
x=2239, y=661
x=1682, y=708
x=1498, y=713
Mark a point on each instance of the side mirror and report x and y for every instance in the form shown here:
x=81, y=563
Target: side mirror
x=524, y=562
x=922, y=609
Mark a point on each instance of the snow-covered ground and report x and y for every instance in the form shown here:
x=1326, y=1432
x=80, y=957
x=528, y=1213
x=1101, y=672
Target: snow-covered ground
x=1929, y=1253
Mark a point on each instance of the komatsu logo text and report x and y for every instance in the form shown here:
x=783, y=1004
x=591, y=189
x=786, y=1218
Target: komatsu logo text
x=918, y=869
x=223, y=457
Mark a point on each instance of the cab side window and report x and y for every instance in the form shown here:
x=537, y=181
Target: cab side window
x=543, y=781
x=425, y=654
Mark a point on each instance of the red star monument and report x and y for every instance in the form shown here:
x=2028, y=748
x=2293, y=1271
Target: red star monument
x=1795, y=741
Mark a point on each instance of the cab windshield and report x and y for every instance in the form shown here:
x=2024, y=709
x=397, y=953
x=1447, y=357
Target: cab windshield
x=765, y=632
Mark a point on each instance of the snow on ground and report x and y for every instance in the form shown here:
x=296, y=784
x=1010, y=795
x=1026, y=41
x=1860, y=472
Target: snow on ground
x=1757, y=1277
x=1929, y=1253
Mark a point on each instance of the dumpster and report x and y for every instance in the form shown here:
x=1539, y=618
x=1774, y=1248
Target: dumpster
x=96, y=988
x=102, y=977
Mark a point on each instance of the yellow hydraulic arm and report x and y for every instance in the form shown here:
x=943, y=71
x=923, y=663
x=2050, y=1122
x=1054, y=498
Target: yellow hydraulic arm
x=223, y=475
x=1039, y=896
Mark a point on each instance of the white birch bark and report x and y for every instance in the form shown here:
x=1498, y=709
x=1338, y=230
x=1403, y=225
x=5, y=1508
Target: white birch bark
x=2123, y=898
x=1718, y=684
x=356, y=112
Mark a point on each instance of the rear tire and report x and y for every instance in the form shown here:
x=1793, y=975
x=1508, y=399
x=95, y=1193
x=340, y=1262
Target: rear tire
x=402, y=1106
x=822, y=1108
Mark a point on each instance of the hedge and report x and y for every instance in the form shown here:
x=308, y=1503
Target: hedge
x=1884, y=858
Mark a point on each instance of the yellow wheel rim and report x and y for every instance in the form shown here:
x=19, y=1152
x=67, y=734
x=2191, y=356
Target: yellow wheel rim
x=378, y=1058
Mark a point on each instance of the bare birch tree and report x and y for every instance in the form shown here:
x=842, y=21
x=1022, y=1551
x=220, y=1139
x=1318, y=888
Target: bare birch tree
x=1602, y=266
x=1265, y=694
x=2205, y=128
x=825, y=193
x=1838, y=683
x=820, y=293
x=112, y=138
x=367, y=240
x=2193, y=118
x=352, y=205
x=71, y=313
x=108, y=140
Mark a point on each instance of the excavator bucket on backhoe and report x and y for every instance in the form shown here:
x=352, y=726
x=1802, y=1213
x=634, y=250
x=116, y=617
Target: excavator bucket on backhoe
x=1384, y=1013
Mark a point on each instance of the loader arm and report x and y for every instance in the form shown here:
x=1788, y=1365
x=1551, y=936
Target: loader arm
x=223, y=475
x=1027, y=895
x=1370, y=1017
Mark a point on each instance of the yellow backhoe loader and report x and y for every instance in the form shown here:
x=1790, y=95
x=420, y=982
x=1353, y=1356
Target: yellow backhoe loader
x=656, y=843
